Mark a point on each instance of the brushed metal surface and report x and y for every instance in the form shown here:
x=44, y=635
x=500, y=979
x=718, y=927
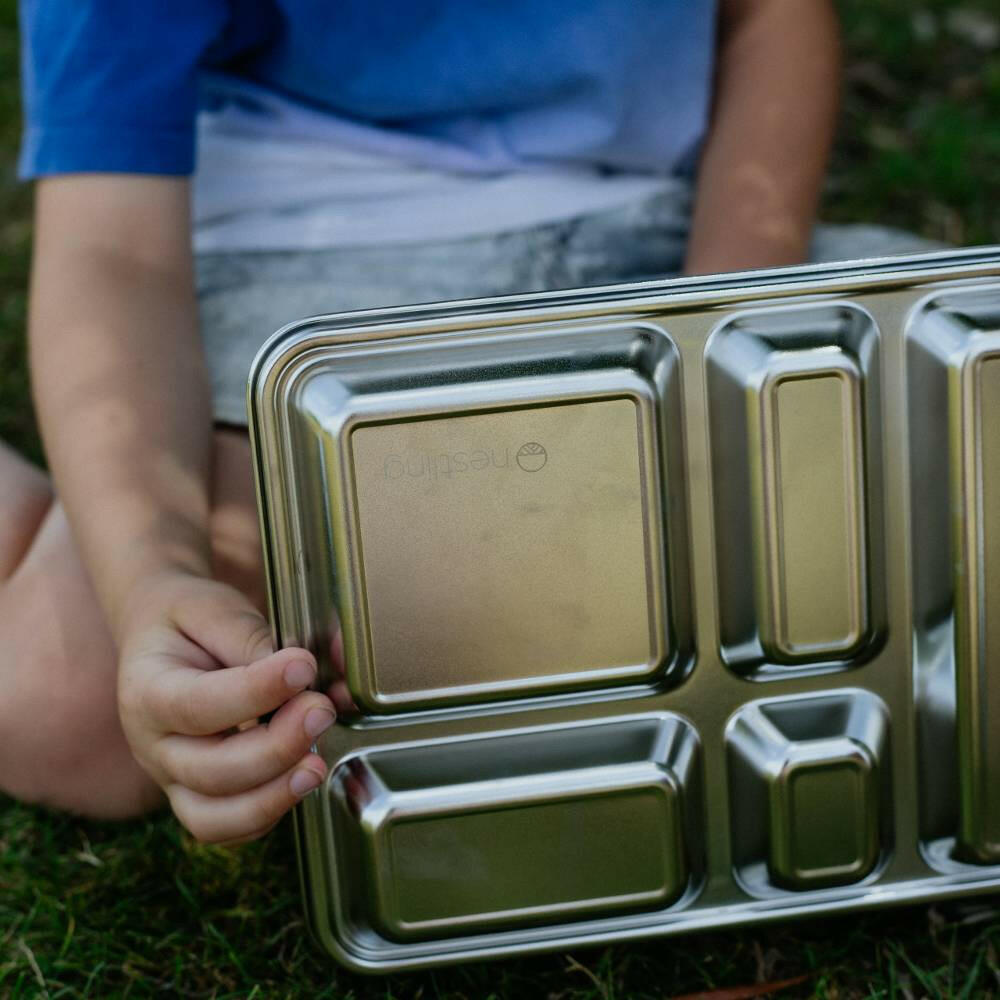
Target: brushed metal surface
x=487, y=517
x=956, y=338
x=808, y=499
x=522, y=829
x=486, y=565
x=978, y=607
x=812, y=843
x=807, y=779
x=817, y=465
x=795, y=420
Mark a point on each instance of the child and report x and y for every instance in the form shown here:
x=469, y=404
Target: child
x=368, y=153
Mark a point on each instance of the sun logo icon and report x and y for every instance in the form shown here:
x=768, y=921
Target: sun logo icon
x=531, y=456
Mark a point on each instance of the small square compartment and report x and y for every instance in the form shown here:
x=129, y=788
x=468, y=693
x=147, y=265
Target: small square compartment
x=809, y=781
x=794, y=421
x=492, y=517
x=521, y=829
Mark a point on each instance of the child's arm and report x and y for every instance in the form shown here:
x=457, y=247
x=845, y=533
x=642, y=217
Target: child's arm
x=762, y=167
x=123, y=401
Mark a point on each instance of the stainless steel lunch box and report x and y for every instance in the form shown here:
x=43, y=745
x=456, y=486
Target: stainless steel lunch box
x=664, y=606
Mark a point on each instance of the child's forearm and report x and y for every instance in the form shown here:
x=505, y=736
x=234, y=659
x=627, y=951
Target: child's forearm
x=773, y=120
x=119, y=378
x=123, y=399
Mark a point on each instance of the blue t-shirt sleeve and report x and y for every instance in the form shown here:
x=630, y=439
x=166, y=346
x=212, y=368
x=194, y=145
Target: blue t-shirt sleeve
x=111, y=85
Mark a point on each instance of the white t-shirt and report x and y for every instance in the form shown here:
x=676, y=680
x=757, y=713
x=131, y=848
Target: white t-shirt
x=276, y=175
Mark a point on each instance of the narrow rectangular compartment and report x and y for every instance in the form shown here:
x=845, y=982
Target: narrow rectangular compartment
x=493, y=517
x=525, y=828
x=794, y=424
x=809, y=781
x=954, y=410
x=808, y=506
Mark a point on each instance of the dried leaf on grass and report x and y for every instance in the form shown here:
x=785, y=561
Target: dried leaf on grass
x=745, y=992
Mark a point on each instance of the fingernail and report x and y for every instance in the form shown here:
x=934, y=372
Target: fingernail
x=303, y=781
x=299, y=673
x=318, y=720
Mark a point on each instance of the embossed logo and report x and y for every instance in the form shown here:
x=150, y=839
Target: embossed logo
x=531, y=456
x=444, y=465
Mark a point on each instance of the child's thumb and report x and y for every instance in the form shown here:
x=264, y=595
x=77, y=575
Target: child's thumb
x=226, y=625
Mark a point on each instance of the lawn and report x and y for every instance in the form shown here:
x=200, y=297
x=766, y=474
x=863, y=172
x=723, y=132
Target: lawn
x=140, y=910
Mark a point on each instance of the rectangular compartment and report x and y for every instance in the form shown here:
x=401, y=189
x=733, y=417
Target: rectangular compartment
x=519, y=829
x=492, y=518
x=808, y=506
x=793, y=421
x=954, y=402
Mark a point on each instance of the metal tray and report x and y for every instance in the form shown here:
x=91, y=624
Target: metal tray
x=663, y=606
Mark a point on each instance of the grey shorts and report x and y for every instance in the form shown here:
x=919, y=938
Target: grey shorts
x=244, y=297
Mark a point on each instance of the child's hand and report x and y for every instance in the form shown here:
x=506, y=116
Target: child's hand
x=196, y=664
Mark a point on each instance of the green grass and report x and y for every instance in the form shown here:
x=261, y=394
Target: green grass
x=139, y=910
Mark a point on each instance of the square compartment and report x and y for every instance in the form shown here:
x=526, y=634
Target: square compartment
x=493, y=517
x=809, y=781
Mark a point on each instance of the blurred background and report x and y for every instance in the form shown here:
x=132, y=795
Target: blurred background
x=919, y=146
x=90, y=910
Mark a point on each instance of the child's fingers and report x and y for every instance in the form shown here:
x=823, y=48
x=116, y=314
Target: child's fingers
x=227, y=765
x=234, y=818
x=201, y=702
x=339, y=692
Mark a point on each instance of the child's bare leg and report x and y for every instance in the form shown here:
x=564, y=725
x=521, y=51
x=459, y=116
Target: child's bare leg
x=60, y=739
x=25, y=499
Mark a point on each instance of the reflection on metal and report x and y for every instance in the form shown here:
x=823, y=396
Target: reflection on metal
x=525, y=828
x=456, y=543
x=808, y=500
x=955, y=342
x=793, y=399
x=495, y=510
x=664, y=607
x=808, y=779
